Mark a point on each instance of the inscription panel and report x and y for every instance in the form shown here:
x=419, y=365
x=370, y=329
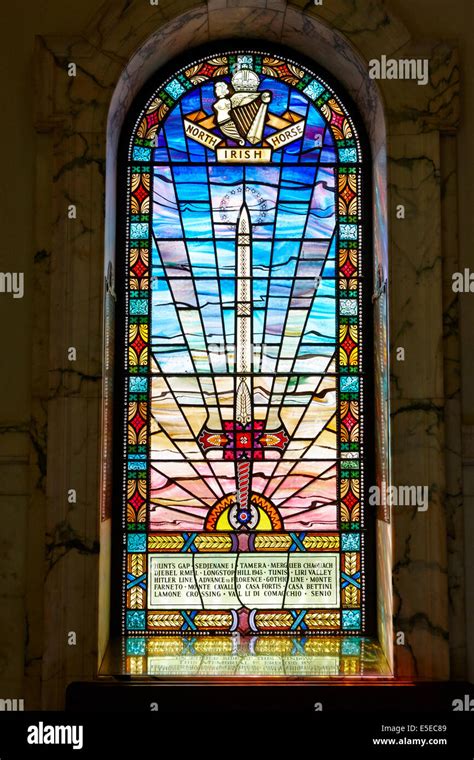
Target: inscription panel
x=218, y=582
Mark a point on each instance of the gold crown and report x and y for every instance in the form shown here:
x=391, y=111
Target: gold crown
x=245, y=80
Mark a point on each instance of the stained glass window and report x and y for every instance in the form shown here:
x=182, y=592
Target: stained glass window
x=246, y=396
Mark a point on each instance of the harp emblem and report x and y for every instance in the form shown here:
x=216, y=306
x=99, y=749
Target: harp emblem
x=242, y=114
x=241, y=127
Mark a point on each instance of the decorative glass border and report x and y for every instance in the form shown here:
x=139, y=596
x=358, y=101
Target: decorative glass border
x=350, y=539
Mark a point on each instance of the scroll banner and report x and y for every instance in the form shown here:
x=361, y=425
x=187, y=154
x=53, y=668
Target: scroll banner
x=277, y=140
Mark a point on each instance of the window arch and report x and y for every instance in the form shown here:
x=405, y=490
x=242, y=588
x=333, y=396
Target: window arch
x=244, y=443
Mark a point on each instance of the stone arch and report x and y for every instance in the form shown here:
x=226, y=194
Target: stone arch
x=346, y=159
x=298, y=32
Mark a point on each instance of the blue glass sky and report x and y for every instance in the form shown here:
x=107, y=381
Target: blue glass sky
x=317, y=143
x=195, y=210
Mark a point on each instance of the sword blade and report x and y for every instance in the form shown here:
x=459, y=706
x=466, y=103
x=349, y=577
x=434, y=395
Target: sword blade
x=243, y=320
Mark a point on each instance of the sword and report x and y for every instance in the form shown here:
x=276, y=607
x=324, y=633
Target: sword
x=243, y=411
x=243, y=439
x=243, y=321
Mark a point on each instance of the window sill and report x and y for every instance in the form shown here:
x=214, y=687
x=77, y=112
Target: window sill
x=240, y=658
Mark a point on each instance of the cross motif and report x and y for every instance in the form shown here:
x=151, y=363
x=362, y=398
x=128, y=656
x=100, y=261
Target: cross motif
x=243, y=444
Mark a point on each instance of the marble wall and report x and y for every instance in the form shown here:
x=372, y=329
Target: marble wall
x=78, y=121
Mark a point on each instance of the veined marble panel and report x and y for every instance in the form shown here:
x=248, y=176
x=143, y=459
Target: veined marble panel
x=454, y=501
x=416, y=323
x=420, y=572
x=123, y=45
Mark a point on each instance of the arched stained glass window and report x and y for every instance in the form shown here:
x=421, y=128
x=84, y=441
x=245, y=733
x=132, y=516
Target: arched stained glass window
x=244, y=391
